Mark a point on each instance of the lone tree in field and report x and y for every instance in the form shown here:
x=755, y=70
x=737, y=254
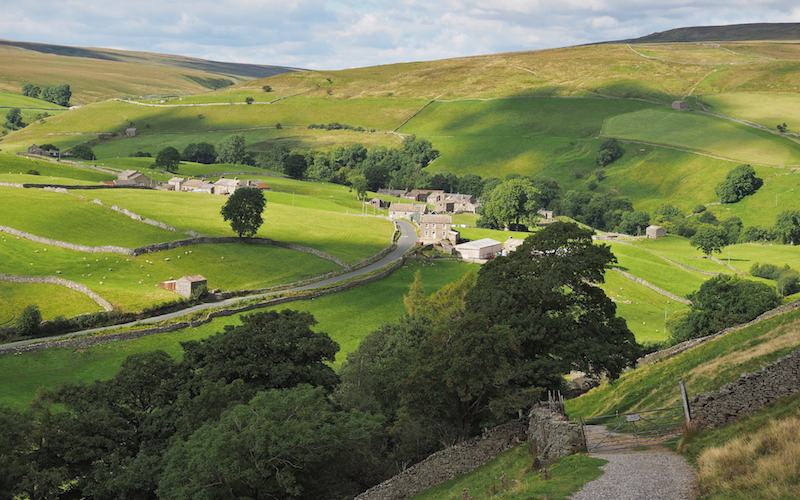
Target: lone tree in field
x=740, y=182
x=169, y=159
x=243, y=209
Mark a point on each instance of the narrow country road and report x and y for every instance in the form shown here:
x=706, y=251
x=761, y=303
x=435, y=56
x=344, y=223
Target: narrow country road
x=408, y=237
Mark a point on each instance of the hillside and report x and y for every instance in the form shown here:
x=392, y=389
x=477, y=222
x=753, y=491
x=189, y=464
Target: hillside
x=728, y=33
x=97, y=74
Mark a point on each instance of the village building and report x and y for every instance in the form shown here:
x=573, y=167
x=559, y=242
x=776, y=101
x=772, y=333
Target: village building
x=680, y=106
x=452, y=202
x=397, y=193
x=134, y=178
x=479, y=250
x=436, y=228
x=225, y=186
x=409, y=211
x=421, y=194
x=130, y=132
x=655, y=232
x=378, y=202
x=545, y=214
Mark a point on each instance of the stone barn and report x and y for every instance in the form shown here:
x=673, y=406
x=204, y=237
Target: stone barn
x=187, y=285
x=655, y=232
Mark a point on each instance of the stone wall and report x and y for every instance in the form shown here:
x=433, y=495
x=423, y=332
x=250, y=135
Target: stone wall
x=64, y=244
x=55, y=280
x=449, y=463
x=748, y=394
x=552, y=435
x=653, y=287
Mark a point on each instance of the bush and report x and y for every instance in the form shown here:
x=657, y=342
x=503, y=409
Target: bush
x=28, y=321
x=610, y=151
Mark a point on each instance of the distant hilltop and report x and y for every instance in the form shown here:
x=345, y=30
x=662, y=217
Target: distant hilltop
x=727, y=33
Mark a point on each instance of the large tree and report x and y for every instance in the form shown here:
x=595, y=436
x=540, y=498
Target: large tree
x=168, y=158
x=787, y=227
x=710, y=238
x=232, y=150
x=14, y=119
x=515, y=201
x=546, y=293
x=200, y=152
x=243, y=209
x=740, y=182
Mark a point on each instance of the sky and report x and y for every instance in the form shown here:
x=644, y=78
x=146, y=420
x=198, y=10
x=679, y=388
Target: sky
x=339, y=34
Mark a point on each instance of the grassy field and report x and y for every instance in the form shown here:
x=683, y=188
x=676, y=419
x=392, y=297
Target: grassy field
x=347, y=317
x=53, y=300
x=14, y=169
x=779, y=193
x=693, y=54
x=704, y=133
x=765, y=109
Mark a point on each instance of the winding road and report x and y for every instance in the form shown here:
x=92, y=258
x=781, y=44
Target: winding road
x=407, y=240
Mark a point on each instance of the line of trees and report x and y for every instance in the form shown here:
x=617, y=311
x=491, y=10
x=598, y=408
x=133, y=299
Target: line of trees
x=58, y=94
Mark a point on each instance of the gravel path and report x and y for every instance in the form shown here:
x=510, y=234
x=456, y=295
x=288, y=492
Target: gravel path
x=641, y=475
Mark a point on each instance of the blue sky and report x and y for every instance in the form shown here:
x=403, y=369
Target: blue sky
x=342, y=34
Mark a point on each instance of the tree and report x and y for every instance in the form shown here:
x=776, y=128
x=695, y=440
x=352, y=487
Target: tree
x=168, y=158
x=723, y=301
x=200, y=152
x=782, y=127
x=610, y=151
x=270, y=350
x=294, y=165
x=82, y=151
x=266, y=88
x=28, y=322
x=232, y=150
x=359, y=184
x=243, y=209
x=288, y=443
x=60, y=94
x=15, y=443
x=249, y=100
x=710, y=239
x=740, y=182
x=14, y=119
x=787, y=227
x=634, y=223
x=545, y=293
x=515, y=201
x=31, y=90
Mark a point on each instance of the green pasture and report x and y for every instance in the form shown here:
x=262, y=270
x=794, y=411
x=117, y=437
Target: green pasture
x=653, y=269
x=522, y=117
x=704, y=368
x=53, y=300
x=703, y=133
x=347, y=317
x=767, y=109
x=780, y=192
x=13, y=168
x=643, y=309
x=679, y=249
x=693, y=54
x=46, y=213
x=130, y=282
x=350, y=237
x=12, y=100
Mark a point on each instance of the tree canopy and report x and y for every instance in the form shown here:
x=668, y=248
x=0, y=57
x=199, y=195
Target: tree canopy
x=610, y=151
x=232, y=150
x=740, y=182
x=243, y=209
x=200, y=152
x=168, y=158
x=515, y=201
x=82, y=151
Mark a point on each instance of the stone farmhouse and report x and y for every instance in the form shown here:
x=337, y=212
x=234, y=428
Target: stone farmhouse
x=655, y=232
x=410, y=211
x=452, y=203
x=134, y=178
x=437, y=228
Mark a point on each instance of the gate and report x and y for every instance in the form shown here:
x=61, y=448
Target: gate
x=630, y=430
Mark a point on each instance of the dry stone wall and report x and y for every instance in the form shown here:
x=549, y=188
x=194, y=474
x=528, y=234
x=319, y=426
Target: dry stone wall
x=449, y=463
x=748, y=394
x=64, y=244
x=552, y=435
x=55, y=280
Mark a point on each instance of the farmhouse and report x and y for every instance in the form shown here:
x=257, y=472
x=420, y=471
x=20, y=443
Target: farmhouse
x=378, y=202
x=435, y=228
x=452, y=202
x=410, y=211
x=479, y=250
x=228, y=186
x=134, y=178
x=655, y=232
x=421, y=194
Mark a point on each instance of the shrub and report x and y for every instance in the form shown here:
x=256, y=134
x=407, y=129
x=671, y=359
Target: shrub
x=739, y=182
x=28, y=321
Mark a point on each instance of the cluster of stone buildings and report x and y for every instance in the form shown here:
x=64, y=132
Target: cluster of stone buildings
x=442, y=202
x=222, y=186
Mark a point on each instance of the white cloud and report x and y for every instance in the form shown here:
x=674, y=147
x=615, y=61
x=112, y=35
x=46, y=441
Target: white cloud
x=336, y=34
